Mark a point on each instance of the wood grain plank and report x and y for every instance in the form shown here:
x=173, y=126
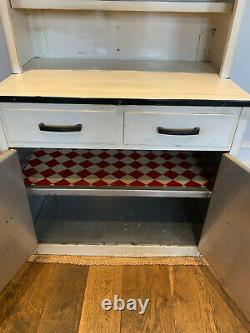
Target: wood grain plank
x=42, y=296
x=103, y=282
x=27, y=305
x=223, y=305
x=188, y=310
x=14, y=292
x=63, y=307
x=148, y=282
x=198, y=307
x=46, y=298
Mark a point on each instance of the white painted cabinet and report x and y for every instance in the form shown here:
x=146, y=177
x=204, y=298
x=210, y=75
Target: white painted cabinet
x=131, y=75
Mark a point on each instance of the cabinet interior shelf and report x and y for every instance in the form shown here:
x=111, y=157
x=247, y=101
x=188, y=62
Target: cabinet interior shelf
x=113, y=5
x=71, y=170
x=121, y=65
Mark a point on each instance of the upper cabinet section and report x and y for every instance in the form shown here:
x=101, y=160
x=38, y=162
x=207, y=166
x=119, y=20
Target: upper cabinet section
x=165, y=36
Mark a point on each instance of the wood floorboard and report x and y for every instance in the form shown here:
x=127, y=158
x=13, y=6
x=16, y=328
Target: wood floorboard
x=150, y=282
x=198, y=307
x=63, y=306
x=27, y=310
x=103, y=283
x=13, y=294
x=60, y=298
x=135, y=284
x=47, y=298
x=218, y=293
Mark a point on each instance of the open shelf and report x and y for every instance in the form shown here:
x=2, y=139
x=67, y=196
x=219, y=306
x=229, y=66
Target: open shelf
x=142, y=35
x=156, y=6
x=131, y=221
x=121, y=172
x=129, y=36
x=125, y=65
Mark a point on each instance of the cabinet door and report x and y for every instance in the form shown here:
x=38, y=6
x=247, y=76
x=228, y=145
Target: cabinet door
x=225, y=241
x=17, y=235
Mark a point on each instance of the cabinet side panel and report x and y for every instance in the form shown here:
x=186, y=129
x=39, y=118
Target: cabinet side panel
x=5, y=66
x=225, y=238
x=220, y=25
x=232, y=40
x=10, y=36
x=3, y=142
x=23, y=33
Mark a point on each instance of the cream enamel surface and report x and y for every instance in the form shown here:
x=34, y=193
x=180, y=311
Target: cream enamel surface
x=168, y=6
x=121, y=84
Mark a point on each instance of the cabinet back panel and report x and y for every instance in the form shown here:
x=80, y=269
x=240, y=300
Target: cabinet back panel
x=120, y=35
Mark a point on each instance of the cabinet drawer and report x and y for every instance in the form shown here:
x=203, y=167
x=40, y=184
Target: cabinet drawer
x=180, y=130
x=61, y=127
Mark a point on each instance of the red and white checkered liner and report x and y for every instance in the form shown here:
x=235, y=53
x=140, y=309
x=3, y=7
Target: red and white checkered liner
x=115, y=168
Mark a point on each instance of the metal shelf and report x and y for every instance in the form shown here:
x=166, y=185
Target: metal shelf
x=131, y=192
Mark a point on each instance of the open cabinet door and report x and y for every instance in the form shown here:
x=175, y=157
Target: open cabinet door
x=225, y=240
x=17, y=234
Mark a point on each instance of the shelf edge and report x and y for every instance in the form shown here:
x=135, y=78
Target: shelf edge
x=151, y=6
x=74, y=191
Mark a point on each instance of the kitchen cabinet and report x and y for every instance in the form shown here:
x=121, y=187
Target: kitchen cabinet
x=128, y=107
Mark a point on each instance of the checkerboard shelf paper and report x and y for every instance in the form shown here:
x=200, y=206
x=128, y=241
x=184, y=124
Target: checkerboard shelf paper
x=116, y=169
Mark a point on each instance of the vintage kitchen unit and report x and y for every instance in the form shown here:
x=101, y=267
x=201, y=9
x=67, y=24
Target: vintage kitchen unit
x=124, y=100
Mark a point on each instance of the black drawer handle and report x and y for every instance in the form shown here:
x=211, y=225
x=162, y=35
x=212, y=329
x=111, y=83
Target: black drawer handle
x=61, y=129
x=175, y=131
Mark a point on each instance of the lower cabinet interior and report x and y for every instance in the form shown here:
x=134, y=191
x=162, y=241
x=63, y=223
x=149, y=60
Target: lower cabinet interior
x=118, y=220
x=104, y=206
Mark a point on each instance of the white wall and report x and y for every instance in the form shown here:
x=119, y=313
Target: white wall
x=241, y=67
x=241, y=74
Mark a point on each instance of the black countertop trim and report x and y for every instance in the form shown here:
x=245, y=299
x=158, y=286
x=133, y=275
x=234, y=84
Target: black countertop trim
x=124, y=101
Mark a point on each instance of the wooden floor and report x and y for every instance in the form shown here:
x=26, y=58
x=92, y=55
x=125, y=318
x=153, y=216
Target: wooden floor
x=60, y=298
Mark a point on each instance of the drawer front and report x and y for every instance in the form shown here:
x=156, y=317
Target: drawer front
x=45, y=128
x=180, y=130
